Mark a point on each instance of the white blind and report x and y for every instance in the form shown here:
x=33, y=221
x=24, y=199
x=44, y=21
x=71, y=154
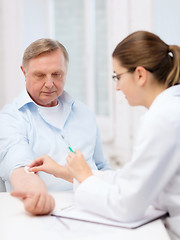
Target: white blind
x=102, y=59
x=81, y=26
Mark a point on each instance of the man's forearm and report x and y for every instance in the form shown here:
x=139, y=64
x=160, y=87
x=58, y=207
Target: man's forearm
x=22, y=181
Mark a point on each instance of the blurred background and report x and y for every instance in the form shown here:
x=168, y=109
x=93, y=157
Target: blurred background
x=90, y=30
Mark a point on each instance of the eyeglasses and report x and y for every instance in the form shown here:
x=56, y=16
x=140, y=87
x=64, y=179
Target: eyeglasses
x=116, y=77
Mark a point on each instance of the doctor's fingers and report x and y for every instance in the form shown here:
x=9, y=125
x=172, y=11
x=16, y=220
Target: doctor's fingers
x=70, y=162
x=36, y=169
x=73, y=154
x=38, y=161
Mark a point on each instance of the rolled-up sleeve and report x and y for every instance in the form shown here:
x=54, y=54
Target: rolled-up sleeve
x=14, y=148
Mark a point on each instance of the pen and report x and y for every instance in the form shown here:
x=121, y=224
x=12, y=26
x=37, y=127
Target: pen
x=59, y=219
x=67, y=143
x=71, y=149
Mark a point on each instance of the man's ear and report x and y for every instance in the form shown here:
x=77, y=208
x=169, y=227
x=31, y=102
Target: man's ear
x=141, y=75
x=22, y=69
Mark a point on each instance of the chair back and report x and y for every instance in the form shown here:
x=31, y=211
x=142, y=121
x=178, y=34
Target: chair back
x=2, y=186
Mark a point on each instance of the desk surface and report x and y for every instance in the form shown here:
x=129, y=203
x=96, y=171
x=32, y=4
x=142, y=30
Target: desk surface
x=15, y=223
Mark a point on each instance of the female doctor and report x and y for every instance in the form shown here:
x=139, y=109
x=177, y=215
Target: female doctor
x=147, y=71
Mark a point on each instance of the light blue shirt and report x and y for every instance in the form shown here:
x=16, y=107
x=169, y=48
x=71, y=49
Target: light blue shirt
x=25, y=134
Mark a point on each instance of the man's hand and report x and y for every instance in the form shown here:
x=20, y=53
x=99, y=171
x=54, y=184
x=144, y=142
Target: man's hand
x=36, y=203
x=78, y=167
x=32, y=191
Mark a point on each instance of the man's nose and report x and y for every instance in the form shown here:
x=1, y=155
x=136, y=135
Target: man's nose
x=49, y=82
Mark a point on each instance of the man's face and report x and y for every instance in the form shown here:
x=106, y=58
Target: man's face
x=45, y=77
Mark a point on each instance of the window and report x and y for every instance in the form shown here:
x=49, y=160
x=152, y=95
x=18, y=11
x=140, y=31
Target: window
x=81, y=26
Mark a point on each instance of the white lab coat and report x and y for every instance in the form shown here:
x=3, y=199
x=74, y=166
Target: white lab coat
x=151, y=177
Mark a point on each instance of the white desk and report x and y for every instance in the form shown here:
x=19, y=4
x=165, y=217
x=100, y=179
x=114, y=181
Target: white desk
x=16, y=224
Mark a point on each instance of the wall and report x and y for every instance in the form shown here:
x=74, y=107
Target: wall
x=11, y=49
x=167, y=20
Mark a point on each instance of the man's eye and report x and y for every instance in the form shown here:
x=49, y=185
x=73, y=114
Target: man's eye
x=57, y=74
x=40, y=75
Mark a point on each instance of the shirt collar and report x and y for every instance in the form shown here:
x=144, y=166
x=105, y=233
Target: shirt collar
x=24, y=99
x=171, y=91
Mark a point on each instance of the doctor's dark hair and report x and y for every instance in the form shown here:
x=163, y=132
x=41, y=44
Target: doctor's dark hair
x=146, y=49
x=43, y=45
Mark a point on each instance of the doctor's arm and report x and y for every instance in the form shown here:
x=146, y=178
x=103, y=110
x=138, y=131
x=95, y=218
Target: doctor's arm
x=46, y=164
x=32, y=191
x=137, y=184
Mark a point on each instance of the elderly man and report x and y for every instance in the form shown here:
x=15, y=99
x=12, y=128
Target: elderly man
x=45, y=119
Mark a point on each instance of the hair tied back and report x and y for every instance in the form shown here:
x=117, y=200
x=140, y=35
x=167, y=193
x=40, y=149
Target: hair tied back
x=170, y=51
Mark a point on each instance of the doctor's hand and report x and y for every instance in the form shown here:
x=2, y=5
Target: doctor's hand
x=77, y=166
x=45, y=164
x=48, y=165
x=36, y=203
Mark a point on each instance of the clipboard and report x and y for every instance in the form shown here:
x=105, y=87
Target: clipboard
x=73, y=213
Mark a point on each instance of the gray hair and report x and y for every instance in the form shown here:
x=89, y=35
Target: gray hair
x=40, y=46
